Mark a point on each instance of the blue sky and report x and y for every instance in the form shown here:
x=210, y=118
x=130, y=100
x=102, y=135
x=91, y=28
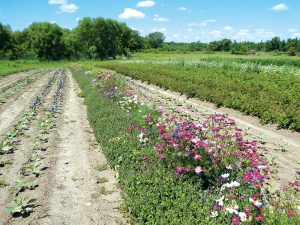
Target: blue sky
x=179, y=20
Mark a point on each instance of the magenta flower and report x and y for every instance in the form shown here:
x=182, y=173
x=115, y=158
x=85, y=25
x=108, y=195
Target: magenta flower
x=247, y=177
x=235, y=220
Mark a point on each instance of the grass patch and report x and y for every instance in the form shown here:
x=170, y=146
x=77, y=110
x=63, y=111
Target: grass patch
x=101, y=180
x=101, y=167
x=104, y=191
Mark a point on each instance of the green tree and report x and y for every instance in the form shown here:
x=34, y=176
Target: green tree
x=46, y=41
x=6, y=43
x=156, y=39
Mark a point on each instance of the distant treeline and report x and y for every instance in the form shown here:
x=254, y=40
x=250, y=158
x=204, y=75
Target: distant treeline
x=289, y=46
x=99, y=38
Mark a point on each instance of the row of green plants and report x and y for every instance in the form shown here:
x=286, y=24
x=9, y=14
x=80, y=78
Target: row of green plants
x=23, y=203
x=273, y=99
x=18, y=86
x=178, y=171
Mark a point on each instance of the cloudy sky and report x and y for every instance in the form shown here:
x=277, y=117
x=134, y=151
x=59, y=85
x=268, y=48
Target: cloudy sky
x=179, y=20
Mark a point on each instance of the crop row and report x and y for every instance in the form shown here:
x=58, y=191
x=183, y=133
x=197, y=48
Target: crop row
x=273, y=99
x=178, y=171
x=23, y=204
x=18, y=86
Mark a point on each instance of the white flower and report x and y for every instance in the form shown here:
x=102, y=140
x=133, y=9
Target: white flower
x=243, y=216
x=256, y=203
x=232, y=184
x=233, y=209
x=220, y=201
x=229, y=167
x=262, y=167
x=225, y=175
x=214, y=214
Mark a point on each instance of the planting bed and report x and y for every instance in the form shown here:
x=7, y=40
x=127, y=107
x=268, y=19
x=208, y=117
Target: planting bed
x=39, y=150
x=179, y=164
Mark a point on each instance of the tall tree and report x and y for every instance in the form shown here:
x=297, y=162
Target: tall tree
x=46, y=40
x=156, y=39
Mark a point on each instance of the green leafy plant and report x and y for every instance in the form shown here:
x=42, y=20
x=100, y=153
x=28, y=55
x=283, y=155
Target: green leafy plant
x=21, y=205
x=32, y=169
x=3, y=183
x=4, y=162
x=26, y=184
x=101, y=167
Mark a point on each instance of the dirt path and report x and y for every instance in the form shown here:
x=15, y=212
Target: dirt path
x=283, y=145
x=8, y=80
x=10, y=111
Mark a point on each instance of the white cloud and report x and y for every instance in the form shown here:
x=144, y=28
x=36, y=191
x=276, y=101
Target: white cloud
x=162, y=30
x=182, y=8
x=280, y=7
x=296, y=34
x=203, y=24
x=292, y=30
x=131, y=13
x=210, y=21
x=228, y=28
x=146, y=4
x=190, y=29
x=175, y=35
x=77, y=19
x=192, y=24
x=57, y=2
x=160, y=19
x=68, y=8
x=216, y=33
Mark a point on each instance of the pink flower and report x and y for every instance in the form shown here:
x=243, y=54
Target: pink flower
x=198, y=170
x=187, y=170
x=218, y=207
x=292, y=213
x=198, y=157
x=259, y=218
x=247, y=177
x=235, y=220
x=248, y=212
x=144, y=157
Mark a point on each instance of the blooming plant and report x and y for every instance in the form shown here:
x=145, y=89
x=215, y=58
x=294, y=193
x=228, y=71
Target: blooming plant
x=214, y=155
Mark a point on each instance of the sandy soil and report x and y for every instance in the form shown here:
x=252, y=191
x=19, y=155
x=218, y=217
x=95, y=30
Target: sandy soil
x=7, y=80
x=69, y=187
x=286, y=161
x=12, y=109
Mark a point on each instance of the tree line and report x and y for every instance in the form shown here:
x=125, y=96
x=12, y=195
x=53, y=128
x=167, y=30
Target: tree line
x=99, y=38
x=92, y=38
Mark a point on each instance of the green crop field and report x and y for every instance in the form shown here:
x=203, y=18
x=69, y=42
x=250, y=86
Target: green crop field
x=264, y=86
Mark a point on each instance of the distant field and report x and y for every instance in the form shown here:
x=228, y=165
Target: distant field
x=264, y=86
x=9, y=67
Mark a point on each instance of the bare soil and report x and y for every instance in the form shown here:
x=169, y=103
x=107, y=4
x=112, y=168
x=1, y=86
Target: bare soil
x=12, y=109
x=8, y=80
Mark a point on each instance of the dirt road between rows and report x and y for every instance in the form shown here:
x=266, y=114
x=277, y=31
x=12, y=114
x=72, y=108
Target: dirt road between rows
x=283, y=145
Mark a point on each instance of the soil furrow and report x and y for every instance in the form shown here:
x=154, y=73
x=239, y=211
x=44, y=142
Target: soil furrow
x=70, y=187
x=8, y=80
x=12, y=111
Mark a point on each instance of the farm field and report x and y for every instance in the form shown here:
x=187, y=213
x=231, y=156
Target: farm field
x=266, y=87
x=138, y=153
